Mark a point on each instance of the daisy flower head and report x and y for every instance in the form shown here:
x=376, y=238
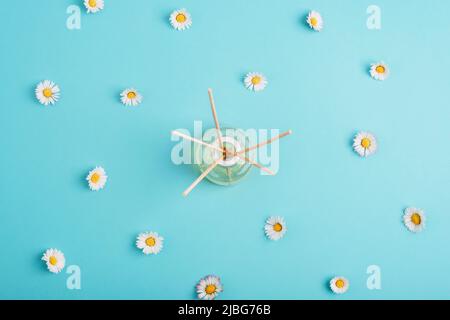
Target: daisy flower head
x=131, y=97
x=97, y=178
x=315, y=20
x=47, y=92
x=149, y=242
x=180, y=19
x=339, y=285
x=275, y=228
x=54, y=260
x=379, y=71
x=364, y=144
x=94, y=6
x=414, y=219
x=209, y=287
x=255, y=81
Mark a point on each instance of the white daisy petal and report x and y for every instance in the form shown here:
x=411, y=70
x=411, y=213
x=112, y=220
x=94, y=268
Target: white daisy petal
x=149, y=242
x=180, y=19
x=339, y=285
x=414, y=219
x=275, y=228
x=97, y=178
x=379, y=71
x=94, y=6
x=315, y=21
x=47, y=92
x=130, y=97
x=54, y=260
x=255, y=81
x=209, y=287
x=364, y=143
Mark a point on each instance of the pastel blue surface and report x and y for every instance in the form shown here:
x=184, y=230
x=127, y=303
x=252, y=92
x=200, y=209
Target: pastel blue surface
x=343, y=212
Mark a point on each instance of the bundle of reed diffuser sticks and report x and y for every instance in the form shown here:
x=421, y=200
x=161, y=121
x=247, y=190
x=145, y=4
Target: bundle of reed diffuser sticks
x=223, y=151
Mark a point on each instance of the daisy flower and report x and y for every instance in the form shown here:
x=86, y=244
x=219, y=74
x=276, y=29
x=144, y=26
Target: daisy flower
x=414, y=219
x=94, y=5
x=364, y=144
x=275, y=228
x=180, y=19
x=47, y=92
x=209, y=287
x=255, y=81
x=339, y=285
x=130, y=97
x=149, y=242
x=315, y=21
x=54, y=259
x=97, y=178
x=379, y=71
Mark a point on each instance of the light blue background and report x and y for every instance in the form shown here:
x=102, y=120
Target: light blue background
x=343, y=212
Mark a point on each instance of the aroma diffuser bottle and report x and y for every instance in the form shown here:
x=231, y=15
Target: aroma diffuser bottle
x=224, y=157
x=230, y=169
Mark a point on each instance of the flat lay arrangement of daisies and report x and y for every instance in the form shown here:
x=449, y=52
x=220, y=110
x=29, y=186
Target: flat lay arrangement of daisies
x=209, y=287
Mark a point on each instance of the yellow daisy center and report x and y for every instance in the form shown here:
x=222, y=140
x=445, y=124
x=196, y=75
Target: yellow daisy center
x=313, y=21
x=95, y=178
x=340, y=283
x=210, y=289
x=277, y=227
x=53, y=261
x=380, y=69
x=365, y=143
x=131, y=95
x=256, y=80
x=47, y=92
x=92, y=3
x=181, y=17
x=416, y=219
x=150, y=241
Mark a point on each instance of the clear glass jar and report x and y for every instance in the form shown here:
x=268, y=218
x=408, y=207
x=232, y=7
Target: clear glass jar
x=231, y=169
